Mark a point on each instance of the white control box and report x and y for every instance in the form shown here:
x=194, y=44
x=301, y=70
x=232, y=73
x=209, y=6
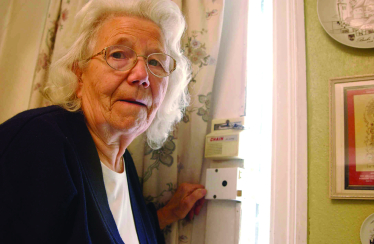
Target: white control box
x=225, y=183
x=227, y=140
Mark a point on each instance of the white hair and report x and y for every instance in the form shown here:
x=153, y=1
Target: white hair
x=62, y=84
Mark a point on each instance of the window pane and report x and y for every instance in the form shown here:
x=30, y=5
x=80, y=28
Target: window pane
x=255, y=225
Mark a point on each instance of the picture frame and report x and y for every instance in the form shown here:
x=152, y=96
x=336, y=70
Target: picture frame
x=352, y=137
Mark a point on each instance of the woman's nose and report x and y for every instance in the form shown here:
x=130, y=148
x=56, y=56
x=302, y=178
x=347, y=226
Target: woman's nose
x=139, y=73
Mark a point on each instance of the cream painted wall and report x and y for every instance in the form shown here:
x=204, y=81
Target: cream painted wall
x=19, y=46
x=330, y=221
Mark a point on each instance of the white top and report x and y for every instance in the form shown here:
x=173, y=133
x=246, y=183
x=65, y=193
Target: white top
x=117, y=192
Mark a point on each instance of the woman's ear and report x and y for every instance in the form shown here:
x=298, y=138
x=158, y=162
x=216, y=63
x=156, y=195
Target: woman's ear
x=78, y=72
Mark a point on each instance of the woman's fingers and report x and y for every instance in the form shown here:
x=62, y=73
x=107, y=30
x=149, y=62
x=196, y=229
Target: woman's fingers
x=191, y=213
x=199, y=204
x=187, y=201
x=194, y=197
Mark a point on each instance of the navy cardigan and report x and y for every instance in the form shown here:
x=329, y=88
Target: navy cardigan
x=51, y=184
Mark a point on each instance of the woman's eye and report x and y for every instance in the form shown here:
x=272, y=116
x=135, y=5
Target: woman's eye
x=154, y=62
x=118, y=55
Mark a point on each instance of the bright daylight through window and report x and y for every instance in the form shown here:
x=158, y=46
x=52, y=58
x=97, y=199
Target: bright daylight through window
x=255, y=224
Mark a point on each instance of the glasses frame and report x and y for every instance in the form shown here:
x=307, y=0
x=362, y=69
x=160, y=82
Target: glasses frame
x=103, y=52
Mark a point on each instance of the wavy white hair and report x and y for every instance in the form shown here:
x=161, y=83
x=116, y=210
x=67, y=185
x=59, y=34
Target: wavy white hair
x=62, y=84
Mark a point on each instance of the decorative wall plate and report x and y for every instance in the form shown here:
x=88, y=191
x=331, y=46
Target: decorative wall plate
x=367, y=230
x=350, y=22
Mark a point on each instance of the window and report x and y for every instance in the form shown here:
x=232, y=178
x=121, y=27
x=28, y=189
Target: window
x=256, y=208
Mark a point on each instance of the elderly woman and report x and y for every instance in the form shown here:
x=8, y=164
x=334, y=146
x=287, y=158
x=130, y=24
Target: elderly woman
x=65, y=173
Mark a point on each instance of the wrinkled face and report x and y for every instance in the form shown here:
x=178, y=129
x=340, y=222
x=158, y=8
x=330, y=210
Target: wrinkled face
x=123, y=101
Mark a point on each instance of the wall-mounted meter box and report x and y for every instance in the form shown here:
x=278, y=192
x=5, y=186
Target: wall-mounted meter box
x=227, y=139
x=225, y=184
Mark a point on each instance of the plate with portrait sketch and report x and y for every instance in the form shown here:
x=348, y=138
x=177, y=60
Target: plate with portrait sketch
x=350, y=22
x=367, y=230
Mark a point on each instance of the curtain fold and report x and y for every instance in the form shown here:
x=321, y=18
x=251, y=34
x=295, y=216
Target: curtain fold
x=55, y=41
x=21, y=29
x=45, y=54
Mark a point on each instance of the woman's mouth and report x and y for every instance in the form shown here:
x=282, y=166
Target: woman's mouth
x=134, y=102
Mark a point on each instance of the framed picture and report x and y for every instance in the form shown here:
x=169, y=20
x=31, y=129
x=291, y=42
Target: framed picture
x=352, y=137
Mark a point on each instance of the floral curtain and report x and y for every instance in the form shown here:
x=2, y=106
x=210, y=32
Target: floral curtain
x=181, y=157
x=59, y=21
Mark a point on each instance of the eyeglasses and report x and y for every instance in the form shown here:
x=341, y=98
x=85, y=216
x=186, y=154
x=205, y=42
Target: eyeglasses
x=124, y=58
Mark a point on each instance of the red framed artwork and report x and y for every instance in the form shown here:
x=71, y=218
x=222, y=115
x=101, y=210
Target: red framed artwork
x=352, y=137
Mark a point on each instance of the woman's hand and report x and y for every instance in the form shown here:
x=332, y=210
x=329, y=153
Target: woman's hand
x=188, y=199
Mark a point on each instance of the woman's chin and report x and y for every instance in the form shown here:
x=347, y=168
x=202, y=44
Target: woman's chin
x=130, y=123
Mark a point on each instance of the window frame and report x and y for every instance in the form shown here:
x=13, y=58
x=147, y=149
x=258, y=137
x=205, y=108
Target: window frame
x=289, y=189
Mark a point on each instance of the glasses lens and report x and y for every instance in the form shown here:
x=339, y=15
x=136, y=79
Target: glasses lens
x=120, y=57
x=161, y=64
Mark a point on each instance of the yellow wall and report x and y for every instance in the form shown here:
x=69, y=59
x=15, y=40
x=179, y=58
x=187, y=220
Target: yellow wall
x=330, y=221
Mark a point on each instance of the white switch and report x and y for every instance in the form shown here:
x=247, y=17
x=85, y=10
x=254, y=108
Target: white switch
x=224, y=183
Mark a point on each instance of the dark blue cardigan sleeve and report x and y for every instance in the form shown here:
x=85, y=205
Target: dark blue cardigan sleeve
x=36, y=189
